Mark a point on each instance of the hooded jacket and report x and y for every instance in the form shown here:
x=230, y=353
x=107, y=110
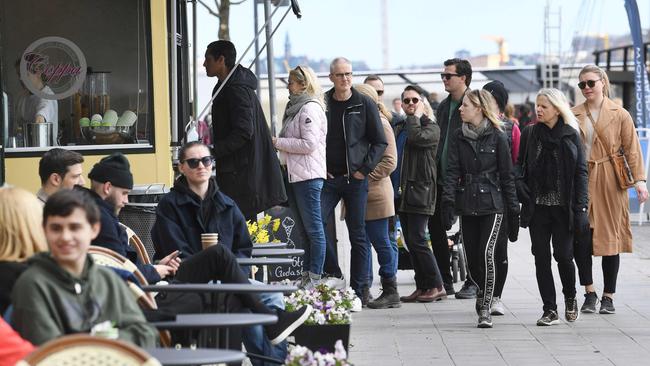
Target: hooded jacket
x=248, y=169
x=181, y=218
x=49, y=302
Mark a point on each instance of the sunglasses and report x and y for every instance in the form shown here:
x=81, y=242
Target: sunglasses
x=448, y=76
x=588, y=83
x=380, y=92
x=409, y=100
x=194, y=163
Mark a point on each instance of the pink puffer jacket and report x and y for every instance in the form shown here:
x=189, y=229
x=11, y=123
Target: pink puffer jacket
x=302, y=148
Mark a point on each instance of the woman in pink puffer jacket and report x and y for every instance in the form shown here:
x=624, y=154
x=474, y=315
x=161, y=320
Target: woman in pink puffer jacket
x=301, y=144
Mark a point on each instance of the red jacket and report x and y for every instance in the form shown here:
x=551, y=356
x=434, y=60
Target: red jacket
x=12, y=348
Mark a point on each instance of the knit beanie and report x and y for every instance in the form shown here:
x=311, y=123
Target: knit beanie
x=114, y=168
x=499, y=92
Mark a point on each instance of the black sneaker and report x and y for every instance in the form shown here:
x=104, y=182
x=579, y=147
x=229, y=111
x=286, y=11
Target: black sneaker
x=571, y=312
x=468, y=291
x=287, y=323
x=449, y=289
x=366, y=297
x=591, y=300
x=607, y=305
x=484, y=318
x=549, y=318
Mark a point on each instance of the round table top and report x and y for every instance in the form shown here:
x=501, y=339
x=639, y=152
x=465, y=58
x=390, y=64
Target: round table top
x=237, y=288
x=276, y=252
x=263, y=261
x=199, y=356
x=215, y=320
x=269, y=245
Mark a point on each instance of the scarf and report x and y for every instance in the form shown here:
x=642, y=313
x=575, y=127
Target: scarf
x=296, y=101
x=474, y=132
x=545, y=168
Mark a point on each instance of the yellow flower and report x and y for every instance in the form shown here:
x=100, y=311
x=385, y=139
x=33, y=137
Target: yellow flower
x=276, y=225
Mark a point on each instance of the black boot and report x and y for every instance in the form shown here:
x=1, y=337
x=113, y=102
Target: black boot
x=389, y=297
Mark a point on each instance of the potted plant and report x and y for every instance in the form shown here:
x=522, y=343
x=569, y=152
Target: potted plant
x=263, y=230
x=330, y=318
x=303, y=356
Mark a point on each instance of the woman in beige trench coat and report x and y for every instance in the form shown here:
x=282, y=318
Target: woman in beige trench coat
x=605, y=127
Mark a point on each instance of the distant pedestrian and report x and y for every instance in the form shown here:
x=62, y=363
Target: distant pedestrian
x=552, y=187
x=606, y=129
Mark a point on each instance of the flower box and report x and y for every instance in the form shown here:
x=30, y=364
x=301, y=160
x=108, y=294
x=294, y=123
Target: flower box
x=322, y=337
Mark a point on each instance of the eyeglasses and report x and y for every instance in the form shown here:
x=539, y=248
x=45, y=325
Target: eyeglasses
x=194, y=163
x=380, y=92
x=588, y=83
x=342, y=75
x=448, y=75
x=409, y=100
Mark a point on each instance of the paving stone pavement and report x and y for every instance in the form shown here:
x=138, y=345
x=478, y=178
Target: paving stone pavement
x=445, y=333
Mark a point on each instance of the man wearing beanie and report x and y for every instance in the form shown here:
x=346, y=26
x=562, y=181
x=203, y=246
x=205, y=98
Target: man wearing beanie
x=110, y=183
x=500, y=94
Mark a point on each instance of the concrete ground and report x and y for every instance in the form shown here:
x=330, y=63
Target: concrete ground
x=445, y=333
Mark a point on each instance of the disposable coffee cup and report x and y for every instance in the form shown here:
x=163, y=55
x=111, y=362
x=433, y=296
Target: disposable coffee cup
x=209, y=239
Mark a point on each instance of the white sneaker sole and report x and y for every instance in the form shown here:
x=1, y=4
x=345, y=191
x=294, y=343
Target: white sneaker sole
x=553, y=322
x=287, y=332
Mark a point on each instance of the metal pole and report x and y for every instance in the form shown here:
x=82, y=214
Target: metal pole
x=195, y=88
x=270, y=65
x=257, y=48
x=174, y=83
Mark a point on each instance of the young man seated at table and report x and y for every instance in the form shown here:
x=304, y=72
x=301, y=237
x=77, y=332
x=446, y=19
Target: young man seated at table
x=111, y=181
x=64, y=292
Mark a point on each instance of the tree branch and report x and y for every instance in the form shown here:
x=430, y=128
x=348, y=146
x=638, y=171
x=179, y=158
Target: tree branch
x=212, y=12
x=237, y=2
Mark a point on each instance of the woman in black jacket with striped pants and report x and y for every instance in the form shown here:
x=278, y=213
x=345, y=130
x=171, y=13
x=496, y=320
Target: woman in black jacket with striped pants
x=480, y=188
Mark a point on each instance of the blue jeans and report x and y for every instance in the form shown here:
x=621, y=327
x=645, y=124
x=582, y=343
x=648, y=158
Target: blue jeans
x=377, y=236
x=255, y=339
x=354, y=193
x=304, y=199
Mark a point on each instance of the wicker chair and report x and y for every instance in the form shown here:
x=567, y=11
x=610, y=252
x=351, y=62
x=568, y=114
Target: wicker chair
x=82, y=349
x=137, y=244
x=107, y=257
x=141, y=217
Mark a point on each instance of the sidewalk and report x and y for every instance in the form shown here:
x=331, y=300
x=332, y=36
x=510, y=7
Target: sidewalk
x=445, y=333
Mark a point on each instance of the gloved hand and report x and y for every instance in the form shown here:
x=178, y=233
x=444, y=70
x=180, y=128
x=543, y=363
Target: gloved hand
x=523, y=192
x=513, y=226
x=447, y=216
x=581, y=222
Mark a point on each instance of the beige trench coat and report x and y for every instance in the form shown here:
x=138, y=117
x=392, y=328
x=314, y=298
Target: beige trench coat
x=609, y=213
x=381, y=203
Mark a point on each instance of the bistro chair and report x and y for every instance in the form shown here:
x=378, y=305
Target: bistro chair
x=137, y=244
x=141, y=217
x=83, y=349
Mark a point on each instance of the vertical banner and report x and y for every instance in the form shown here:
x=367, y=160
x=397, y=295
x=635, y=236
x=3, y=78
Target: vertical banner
x=642, y=89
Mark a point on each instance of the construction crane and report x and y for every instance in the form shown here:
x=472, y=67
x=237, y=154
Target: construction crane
x=504, y=56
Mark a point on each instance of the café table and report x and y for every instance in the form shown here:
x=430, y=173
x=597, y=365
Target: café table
x=269, y=245
x=199, y=356
x=215, y=320
x=263, y=261
x=276, y=252
x=216, y=288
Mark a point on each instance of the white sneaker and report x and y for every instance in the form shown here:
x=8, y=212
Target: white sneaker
x=334, y=282
x=357, y=306
x=497, y=307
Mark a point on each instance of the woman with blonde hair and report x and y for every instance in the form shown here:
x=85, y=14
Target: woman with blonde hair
x=606, y=130
x=380, y=207
x=552, y=187
x=21, y=236
x=479, y=187
x=301, y=144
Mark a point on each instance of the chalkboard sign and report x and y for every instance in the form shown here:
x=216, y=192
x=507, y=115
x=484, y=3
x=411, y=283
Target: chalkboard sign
x=295, y=237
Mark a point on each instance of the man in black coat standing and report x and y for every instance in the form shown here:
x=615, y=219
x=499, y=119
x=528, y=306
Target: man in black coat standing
x=248, y=169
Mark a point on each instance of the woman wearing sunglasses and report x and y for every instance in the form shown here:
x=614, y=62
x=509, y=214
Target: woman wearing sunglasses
x=301, y=143
x=552, y=187
x=606, y=129
x=479, y=187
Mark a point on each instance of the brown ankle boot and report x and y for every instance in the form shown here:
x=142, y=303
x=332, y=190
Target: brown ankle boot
x=433, y=294
x=412, y=297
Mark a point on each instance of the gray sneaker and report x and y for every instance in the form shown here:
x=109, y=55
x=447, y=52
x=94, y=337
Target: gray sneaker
x=549, y=318
x=591, y=300
x=484, y=318
x=607, y=305
x=571, y=312
x=497, y=306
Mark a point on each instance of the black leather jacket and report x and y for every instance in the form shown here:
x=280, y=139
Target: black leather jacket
x=364, y=134
x=480, y=176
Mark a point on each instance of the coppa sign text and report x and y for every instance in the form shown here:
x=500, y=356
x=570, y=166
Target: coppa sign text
x=37, y=62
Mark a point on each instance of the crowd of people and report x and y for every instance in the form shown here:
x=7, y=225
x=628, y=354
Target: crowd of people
x=466, y=158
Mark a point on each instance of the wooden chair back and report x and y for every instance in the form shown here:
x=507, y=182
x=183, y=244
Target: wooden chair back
x=137, y=244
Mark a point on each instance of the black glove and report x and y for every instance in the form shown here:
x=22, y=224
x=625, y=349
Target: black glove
x=523, y=192
x=581, y=222
x=513, y=226
x=447, y=216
